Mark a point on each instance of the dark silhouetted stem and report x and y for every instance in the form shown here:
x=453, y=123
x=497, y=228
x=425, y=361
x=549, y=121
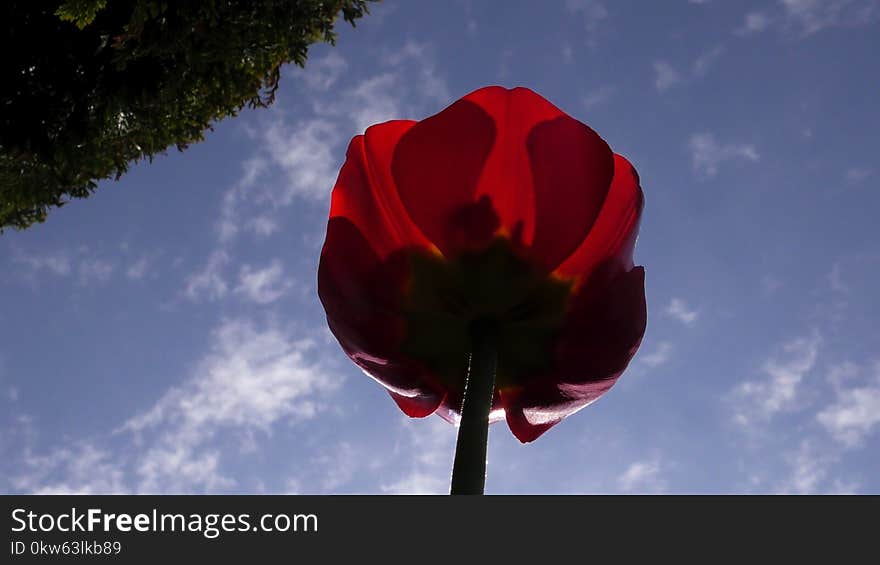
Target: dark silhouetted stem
x=469, y=467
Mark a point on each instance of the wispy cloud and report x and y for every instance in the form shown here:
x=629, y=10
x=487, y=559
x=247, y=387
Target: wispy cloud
x=81, y=468
x=809, y=468
x=244, y=190
x=298, y=160
x=263, y=285
x=855, y=413
x=593, y=12
x=56, y=264
x=597, y=97
x=139, y=269
x=94, y=270
x=754, y=22
x=778, y=389
x=857, y=175
x=811, y=16
x=660, y=355
x=89, y=266
x=707, y=154
x=250, y=380
x=321, y=74
x=706, y=60
x=427, y=446
x=208, y=283
x=679, y=310
x=307, y=157
x=643, y=476
x=665, y=76
x=841, y=374
x=668, y=75
x=835, y=278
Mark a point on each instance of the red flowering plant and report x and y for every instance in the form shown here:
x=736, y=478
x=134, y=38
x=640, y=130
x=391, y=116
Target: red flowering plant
x=478, y=264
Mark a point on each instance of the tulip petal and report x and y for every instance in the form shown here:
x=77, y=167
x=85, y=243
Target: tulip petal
x=548, y=174
x=418, y=406
x=571, y=169
x=532, y=410
x=366, y=195
x=603, y=331
x=360, y=294
x=613, y=235
x=604, y=326
x=347, y=287
x=436, y=167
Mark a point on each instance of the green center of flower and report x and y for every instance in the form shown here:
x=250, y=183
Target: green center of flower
x=495, y=286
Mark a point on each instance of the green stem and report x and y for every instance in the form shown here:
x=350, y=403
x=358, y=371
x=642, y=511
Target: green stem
x=469, y=467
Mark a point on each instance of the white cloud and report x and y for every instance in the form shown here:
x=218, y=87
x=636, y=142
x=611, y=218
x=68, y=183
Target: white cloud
x=593, y=12
x=251, y=380
x=208, y=283
x=374, y=101
x=82, y=468
x=842, y=373
x=309, y=151
x=778, y=391
x=87, y=265
x=858, y=175
x=417, y=58
x=597, y=97
x=338, y=465
x=306, y=155
x=809, y=469
x=679, y=310
x=705, y=61
x=835, y=279
x=804, y=18
x=665, y=76
x=138, y=269
x=321, y=74
x=754, y=22
x=428, y=447
x=417, y=483
x=642, y=476
x=811, y=16
x=245, y=189
x=56, y=264
x=707, y=154
x=417, y=459
x=855, y=414
x=263, y=285
x=94, y=270
x=263, y=226
x=659, y=356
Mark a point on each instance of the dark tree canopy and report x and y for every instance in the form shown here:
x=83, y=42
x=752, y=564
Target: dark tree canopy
x=88, y=86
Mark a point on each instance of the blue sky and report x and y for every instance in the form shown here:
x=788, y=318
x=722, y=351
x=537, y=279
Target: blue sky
x=165, y=335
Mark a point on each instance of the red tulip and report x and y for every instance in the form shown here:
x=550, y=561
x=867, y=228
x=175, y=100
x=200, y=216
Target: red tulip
x=500, y=209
